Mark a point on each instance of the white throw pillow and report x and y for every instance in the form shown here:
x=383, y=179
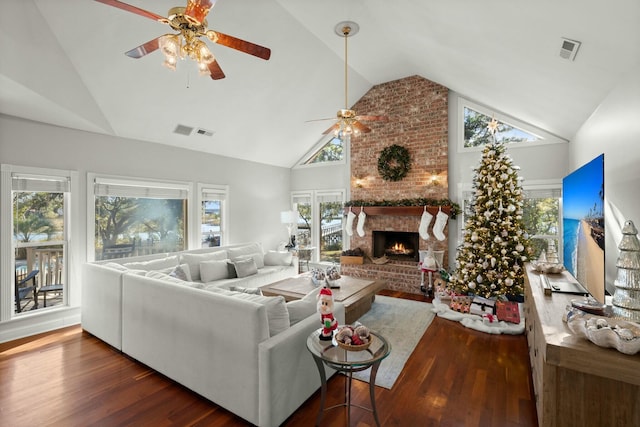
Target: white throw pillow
x=213, y=270
x=278, y=258
x=299, y=310
x=194, y=261
x=277, y=313
x=245, y=267
x=154, y=264
x=254, y=248
x=257, y=258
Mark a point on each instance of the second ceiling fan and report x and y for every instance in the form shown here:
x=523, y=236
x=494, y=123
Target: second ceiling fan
x=349, y=122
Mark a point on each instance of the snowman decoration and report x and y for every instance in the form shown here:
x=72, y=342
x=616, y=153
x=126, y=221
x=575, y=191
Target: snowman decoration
x=325, y=308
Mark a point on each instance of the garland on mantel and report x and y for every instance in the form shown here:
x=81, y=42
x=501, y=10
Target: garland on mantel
x=455, y=208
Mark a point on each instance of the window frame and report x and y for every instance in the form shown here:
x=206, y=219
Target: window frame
x=314, y=196
x=70, y=242
x=545, y=137
x=196, y=238
x=133, y=182
x=322, y=142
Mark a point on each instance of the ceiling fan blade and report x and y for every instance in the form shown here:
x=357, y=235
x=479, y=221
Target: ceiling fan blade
x=332, y=129
x=360, y=127
x=319, y=120
x=373, y=118
x=132, y=9
x=198, y=9
x=143, y=49
x=215, y=70
x=241, y=45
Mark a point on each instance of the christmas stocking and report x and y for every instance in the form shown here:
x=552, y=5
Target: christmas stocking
x=438, y=226
x=423, y=229
x=360, y=228
x=349, y=226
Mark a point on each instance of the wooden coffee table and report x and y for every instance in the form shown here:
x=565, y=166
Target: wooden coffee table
x=355, y=294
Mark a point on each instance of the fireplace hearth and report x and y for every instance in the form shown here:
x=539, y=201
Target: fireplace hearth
x=396, y=245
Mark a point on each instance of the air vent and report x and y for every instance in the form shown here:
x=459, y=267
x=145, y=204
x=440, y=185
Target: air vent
x=569, y=49
x=204, y=132
x=183, y=130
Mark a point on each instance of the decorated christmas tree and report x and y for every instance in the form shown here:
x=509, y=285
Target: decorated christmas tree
x=490, y=261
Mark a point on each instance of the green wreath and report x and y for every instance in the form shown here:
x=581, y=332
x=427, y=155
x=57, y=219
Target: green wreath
x=394, y=163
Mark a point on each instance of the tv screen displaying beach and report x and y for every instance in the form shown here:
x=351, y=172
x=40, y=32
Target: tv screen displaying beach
x=583, y=226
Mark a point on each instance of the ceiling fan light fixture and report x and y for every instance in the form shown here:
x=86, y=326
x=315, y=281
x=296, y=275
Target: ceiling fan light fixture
x=197, y=10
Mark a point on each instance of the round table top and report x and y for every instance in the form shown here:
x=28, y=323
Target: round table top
x=347, y=360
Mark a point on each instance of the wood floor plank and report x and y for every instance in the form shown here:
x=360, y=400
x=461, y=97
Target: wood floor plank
x=454, y=377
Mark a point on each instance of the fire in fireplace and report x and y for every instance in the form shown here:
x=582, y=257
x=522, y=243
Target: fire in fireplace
x=398, y=245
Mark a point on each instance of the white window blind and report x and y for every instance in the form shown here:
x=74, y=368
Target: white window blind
x=329, y=197
x=213, y=194
x=138, y=189
x=34, y=183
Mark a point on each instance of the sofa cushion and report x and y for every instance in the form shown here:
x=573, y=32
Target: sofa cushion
x=154, y=264
x=115, y=266
x=278, y=258
x=255, y=291
x=181, y=272
x=277, y=313
x=245, y=267
x=165, y=277
x=254, y=248
x=213, y=270
x=194, y=261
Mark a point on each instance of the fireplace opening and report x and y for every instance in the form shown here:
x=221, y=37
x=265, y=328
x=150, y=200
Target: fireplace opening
x=397, y=245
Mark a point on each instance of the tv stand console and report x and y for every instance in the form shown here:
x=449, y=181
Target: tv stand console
x=576, y=382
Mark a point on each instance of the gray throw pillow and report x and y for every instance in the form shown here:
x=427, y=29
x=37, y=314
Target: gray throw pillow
x=245, y=267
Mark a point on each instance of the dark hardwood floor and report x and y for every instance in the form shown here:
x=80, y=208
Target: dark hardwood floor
x=455, y=377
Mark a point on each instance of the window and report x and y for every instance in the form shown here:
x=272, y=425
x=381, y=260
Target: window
x=332, y=151
x=40, y=207
x=138, y=218
x=212, y=215
x=320, y=223
x=541, y=215
x=473, y=121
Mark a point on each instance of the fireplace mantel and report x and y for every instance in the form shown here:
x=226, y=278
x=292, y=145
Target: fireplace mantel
x=397, y=210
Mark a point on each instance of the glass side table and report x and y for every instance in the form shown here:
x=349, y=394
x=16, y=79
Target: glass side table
x=348, y=362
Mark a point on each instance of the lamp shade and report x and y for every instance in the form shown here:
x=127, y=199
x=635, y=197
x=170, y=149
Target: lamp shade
x=289, y=217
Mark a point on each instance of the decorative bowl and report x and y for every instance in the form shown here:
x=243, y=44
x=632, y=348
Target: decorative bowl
x=350, y=347
x=604, y=331
x=547, y=267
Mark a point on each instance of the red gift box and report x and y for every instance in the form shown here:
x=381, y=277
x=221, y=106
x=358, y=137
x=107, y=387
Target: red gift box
x=509, y=311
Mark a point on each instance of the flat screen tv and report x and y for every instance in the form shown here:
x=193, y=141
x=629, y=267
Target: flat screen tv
x=583, y=226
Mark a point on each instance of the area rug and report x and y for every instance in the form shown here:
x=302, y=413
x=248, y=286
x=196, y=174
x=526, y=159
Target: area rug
x=402, y=322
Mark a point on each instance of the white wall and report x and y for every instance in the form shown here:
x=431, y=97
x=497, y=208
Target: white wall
x=614, y=129
x=257, y=192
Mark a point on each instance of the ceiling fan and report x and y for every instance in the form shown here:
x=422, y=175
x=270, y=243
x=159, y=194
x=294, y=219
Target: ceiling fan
x=191, y=25
x=349, y=123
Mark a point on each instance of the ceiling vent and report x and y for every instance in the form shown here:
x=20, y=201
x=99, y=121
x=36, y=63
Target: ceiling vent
x=183, y=130
x=204, y=132
x=569, y=49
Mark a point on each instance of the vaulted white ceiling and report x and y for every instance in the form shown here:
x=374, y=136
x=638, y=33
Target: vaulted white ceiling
x=62, y=62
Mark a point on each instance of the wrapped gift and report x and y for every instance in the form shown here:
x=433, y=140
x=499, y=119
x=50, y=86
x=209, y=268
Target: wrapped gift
x=460, y=303
x=489, y=319
x=481, y=305
x=509, y=311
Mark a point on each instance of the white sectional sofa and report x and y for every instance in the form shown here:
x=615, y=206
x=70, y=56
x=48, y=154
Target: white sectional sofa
x=245, y=352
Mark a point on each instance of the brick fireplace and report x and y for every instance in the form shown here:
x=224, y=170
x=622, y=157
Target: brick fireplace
x=418, y=112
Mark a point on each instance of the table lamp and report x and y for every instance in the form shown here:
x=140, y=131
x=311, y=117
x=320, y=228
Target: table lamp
x=290, y=219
